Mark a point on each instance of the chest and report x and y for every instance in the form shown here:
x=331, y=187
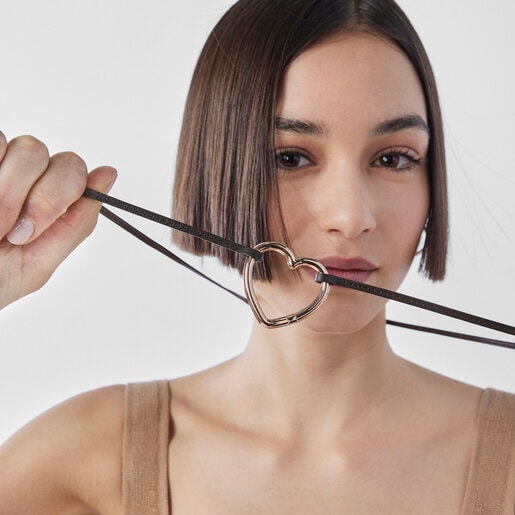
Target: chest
x=234, y=477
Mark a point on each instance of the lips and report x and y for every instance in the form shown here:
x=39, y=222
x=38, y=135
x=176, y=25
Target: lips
x=356, y=269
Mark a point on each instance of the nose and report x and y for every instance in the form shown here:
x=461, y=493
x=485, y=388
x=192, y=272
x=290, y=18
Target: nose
x=345, y=202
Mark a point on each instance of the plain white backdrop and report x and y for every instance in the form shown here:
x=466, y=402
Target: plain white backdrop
x=108, y=80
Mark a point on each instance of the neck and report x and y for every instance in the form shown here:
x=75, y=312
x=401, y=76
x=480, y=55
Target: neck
x=307, y=383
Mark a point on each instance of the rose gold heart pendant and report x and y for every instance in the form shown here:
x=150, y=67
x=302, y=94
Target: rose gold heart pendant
x=293, y=263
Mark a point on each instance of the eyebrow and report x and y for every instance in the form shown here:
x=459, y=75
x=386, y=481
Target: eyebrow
x=299, y=126
x=409, y=121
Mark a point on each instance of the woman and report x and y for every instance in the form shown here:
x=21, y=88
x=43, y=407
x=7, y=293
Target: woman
x=318, y=417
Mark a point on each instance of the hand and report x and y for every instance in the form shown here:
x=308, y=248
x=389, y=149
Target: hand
x=42, y=215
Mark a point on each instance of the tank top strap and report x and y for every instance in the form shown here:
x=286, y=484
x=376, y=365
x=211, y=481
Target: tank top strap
x=491, y=483
x=145, y=449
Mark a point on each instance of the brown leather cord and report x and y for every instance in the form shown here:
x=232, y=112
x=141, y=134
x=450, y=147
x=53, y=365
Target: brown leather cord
x=331, y=279
x=418, y=303
x=156, y=246
x=174, y=224
x=452, y=334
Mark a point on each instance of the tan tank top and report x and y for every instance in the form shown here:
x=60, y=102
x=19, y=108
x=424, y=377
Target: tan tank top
x=491, y=480
x=146, y=436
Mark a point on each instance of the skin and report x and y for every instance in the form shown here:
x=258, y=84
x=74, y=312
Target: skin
x=318, y=417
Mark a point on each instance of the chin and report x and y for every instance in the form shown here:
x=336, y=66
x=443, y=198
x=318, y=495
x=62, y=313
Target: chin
x=344, y=321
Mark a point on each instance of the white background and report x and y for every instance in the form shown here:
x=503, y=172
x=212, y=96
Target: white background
x=108, y=79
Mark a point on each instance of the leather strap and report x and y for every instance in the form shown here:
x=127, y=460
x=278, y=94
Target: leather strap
x=413, y=301
x=156, y=246
x=174, y=224
x=453, y=334
x=331, y=279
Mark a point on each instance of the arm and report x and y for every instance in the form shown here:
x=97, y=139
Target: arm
x=68, y=460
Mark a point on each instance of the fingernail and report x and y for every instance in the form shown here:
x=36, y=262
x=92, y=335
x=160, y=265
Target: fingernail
x=21, y=232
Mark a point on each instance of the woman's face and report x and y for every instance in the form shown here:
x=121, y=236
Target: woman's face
x=351, y=141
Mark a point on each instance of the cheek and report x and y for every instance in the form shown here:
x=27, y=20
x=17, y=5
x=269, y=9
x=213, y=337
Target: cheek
x=404, y=218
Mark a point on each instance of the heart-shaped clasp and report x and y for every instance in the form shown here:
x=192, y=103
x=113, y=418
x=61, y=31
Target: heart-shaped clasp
x=293, y=263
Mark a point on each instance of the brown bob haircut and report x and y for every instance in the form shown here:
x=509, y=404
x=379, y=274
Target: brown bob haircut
x=226, y=165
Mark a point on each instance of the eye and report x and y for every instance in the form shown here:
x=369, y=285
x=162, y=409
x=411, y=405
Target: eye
x=398, y=159
x=291, y=159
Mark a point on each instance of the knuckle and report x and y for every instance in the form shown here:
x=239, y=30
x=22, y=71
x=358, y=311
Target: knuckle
x=71, y=161
x=30, y=147
x=7, y=206
x=76, y=169
x=8, y=213
x=3, y=141
x=10, y=209
x=47, y=205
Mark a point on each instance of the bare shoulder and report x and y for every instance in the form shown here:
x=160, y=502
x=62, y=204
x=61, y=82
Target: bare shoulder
x=444, y=391
x=67, y=460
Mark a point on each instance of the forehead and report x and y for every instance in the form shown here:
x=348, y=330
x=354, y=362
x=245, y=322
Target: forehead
x=351, y=77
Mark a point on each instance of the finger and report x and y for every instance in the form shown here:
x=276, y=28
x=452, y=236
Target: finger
x=25, y=160
x=43, y=255
x=70, y=229
x=62, y=184
x=84, y=213
x=3, y=145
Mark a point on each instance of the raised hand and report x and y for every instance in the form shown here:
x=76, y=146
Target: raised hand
x=42, y=215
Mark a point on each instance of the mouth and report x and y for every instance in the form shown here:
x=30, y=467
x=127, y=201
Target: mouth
x=355, y=269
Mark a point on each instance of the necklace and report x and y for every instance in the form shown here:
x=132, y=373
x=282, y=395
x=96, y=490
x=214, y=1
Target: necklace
x=325, y=280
